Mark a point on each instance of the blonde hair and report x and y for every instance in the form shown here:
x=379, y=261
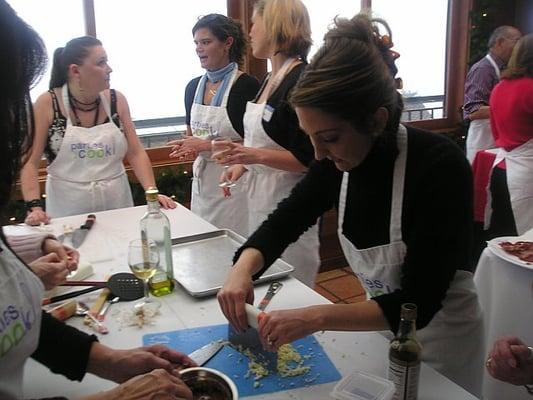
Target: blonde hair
x=287, y=26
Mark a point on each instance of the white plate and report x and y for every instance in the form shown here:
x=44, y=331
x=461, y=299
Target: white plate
x=494, y=246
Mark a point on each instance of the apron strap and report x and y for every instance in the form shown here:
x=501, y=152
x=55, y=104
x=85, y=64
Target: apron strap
x=496, y=68
x=66, y=103
x=398, y=183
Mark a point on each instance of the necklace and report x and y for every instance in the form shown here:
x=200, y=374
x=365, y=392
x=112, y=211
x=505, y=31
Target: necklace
x=95, y=105
x=212, y=92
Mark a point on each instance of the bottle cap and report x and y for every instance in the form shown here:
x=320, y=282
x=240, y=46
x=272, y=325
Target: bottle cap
x=151, y=194
x=408, y=311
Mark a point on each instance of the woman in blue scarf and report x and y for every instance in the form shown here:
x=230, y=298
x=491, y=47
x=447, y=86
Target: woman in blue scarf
x=215, y=105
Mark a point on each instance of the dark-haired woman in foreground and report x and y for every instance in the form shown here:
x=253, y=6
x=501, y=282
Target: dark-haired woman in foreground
x=145, y=372
x=404, y=202
x=85, y=131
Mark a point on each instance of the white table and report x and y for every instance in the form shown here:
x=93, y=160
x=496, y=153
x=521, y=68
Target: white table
x=506, y=294
x=113, y=229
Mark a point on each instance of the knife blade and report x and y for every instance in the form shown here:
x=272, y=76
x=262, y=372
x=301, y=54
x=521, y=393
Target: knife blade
x=79, y=235
x=205, y=353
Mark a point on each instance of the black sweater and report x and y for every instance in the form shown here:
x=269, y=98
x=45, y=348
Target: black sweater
x=436, y=217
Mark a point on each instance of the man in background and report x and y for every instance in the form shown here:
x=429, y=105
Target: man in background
x=480, y=81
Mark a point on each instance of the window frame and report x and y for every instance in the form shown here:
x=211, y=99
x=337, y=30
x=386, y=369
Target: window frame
x=457, y=38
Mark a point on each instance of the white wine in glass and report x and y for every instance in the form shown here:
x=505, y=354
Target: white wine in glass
x=218, y=146
x=143, y=259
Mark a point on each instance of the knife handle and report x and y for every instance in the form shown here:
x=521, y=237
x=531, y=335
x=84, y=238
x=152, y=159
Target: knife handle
x=89, y=222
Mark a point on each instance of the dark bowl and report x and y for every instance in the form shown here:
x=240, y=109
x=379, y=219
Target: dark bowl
x=209, y=384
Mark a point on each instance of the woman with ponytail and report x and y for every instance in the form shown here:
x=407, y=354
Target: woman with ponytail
x=404, y=211
x=85, y=131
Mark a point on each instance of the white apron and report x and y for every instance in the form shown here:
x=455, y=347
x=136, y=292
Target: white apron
x=268, y=186
x=519, y=169
x=452, y=342
x=207, y=199
x=88, y=174
x=480, y=133
x=21, y=293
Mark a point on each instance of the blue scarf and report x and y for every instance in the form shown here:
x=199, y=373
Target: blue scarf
x=223, y=74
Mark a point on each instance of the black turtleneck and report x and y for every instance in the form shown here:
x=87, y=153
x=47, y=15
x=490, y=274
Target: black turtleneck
x=436, y=217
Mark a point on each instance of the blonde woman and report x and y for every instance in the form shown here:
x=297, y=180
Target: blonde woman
x=276, y=152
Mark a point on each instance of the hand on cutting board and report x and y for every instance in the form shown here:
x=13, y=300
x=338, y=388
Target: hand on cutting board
x=121, y=365
x=237, y=290
x=277, y=328
x=158, y=384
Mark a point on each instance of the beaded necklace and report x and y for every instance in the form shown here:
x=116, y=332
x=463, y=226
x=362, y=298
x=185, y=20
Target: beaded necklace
x=75, y=105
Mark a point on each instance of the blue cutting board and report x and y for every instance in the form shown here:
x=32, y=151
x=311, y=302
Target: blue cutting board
x=235, y=365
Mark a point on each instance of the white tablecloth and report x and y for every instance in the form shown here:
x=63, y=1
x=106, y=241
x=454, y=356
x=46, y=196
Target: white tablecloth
x=349, y=351
x=506, y=294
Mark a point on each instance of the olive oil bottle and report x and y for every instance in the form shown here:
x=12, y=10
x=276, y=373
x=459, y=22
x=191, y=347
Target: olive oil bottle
x=404, y=356
x=156, y=226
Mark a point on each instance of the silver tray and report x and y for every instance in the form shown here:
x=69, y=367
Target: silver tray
x=202, y=262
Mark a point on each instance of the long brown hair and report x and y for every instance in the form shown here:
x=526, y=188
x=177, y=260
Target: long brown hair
x=349, y=76
x=521, y=61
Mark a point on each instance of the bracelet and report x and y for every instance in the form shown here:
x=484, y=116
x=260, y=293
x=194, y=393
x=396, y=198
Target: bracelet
x=529, y=389
x=33, y=203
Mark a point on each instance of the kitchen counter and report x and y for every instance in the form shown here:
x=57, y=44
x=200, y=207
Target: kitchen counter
x=106, y=249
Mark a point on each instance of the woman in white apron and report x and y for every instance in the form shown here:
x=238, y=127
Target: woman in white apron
x=215, y=105
x=276, y=152
x=403, y=234
x=86, y=132
x=511, y=105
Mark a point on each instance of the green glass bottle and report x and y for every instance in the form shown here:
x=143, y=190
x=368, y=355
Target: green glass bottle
x=404, y=356
x=156, y=226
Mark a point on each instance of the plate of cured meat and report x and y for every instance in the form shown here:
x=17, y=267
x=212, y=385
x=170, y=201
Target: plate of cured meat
x=515, y=249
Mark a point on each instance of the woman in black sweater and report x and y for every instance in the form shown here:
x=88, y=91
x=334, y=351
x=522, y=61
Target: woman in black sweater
x=404, y=203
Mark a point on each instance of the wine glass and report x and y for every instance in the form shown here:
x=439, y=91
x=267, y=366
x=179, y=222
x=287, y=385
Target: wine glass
x=143, y=259
x=218, y=146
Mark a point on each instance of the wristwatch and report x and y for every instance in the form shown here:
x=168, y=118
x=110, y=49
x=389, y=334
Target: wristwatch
x=33, y=203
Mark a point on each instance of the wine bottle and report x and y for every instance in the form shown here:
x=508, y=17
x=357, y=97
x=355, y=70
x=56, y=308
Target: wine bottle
x=404, y=356
x=156, y=226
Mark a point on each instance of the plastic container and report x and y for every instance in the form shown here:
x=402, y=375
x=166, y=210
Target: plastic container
x=363, y=386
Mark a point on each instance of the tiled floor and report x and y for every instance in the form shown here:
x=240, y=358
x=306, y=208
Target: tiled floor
x=340, y=286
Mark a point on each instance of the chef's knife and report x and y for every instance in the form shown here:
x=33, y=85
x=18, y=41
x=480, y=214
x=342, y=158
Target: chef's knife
x=204, y=354
x=79, y=235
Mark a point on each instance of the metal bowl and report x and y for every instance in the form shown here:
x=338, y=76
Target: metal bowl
x=209, y=384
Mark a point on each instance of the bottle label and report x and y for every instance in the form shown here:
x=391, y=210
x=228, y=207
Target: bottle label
x=405, y=377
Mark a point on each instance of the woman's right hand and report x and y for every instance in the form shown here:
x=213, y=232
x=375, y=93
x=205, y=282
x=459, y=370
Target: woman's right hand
x=237, y=290
x=158, y=384
x=37, y=216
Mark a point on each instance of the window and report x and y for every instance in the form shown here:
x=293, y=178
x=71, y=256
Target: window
x=421, y=43
x=151, y=51
x=56, y=21
x=322, y=14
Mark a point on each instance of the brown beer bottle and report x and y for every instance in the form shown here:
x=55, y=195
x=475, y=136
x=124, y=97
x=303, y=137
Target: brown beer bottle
x=404, y=356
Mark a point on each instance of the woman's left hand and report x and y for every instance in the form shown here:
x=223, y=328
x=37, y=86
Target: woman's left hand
x=277, y=328
x=166, y=202
x=237, y=153
x=189, y=146
x=121, y=365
